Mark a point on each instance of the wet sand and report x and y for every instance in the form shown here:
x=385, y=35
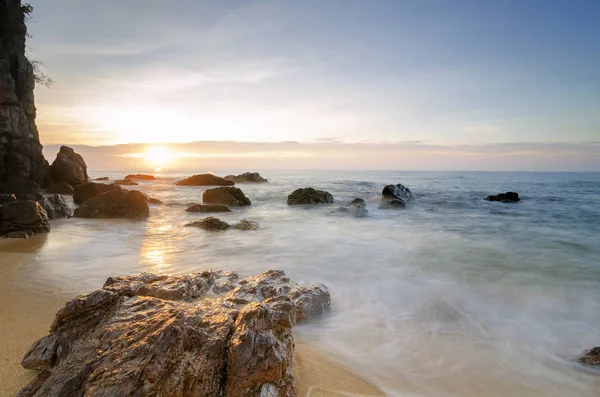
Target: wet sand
x=26, y=315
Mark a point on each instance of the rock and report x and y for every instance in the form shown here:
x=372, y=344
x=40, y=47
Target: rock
x=245, y=224
x=204, y=180
x=394, y=204
x=231, y=196
x=126, y=182
x=357, y=202
x=309, y=196
x=155, y=201
x=143, y=177
x=21, y=188
x=591, y=357
x=356, y=208
x=398, y=191
x=207, y=208
x=91, y=190
x=204, y=334
x=23, y=215
x=20, y=234
x=69, y=167
x=246, y=177
x=118, y=203
x=21, y=157
x=103, y=178
x=60, y=188
x=508, y=197
x=5, y=198
x=210, y=223
x=56, y=206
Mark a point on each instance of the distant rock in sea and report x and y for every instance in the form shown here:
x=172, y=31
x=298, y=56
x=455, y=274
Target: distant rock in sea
x=246, y=177
x=60, y=188
x=91, y=190
x=398, y=191
x=143, y=177
x=118, y=203
x=309, y=195
x=208, y=208
x=204, y=180
x=151, y=335
x=508, y=197
x=69, y=167
x=230, y=196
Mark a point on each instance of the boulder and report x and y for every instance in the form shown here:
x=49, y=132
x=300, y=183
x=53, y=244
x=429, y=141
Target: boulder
x=210, y=223
x=56, y=206
x=91, y=190
x=126, y=182
x=394, y=204
x=204, y=180
x=23, y=215
x=245, y=224
x=591, y=357
x=118, y=203
x=22, y=189
x=102, y=178
x=69, y=167
x=60, y=188
x=399, y=192
x=142, y=177
x=357, y=202
x=211, y=333
x=231, y=196
x=155, y=201
x=309, y=196
x=246, y=177
x=508, y=197
x=208, y=208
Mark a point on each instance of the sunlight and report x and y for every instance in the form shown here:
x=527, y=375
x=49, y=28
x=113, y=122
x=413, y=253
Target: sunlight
x=158, y=157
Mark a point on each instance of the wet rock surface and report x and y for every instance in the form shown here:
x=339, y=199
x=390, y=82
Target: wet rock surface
x=309, y=195
x=69, y=167
x=591, y=357
x=208, y=208
x=210, y=223
x=398, y=192
x=91, y=190
x=229, y=196
x=246, y=177
x=23, y=216
x=356, y=208
x=508, y=197
x=118, y=203
x=245, y=224
x=211, y=333
x=56, y=206
x=204, y=180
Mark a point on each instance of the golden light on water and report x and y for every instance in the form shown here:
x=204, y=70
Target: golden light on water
x=158, y=157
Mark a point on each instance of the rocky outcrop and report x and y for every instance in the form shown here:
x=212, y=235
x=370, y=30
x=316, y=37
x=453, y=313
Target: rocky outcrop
x=22, y=163
x=230, y=196
x=69, y=167
x=398, y=192
x=118, y=203
x=508, y=197
x=356, y=208
x=126, y=182
x=204, y=180
x=56, y=206
x=591, y=357
x=23, y=216
x=60, y=188
x=204, y=334
x=395, y=204
x=142, y=177
x=208, y=208
x=91, y=190
x=246, y=177
x=309, y=196
x=210, y=223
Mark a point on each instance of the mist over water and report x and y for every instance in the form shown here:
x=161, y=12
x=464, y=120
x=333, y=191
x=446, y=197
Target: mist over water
x=454, y=296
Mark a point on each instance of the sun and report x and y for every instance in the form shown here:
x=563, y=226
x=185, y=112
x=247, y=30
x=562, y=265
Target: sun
x=158, y=157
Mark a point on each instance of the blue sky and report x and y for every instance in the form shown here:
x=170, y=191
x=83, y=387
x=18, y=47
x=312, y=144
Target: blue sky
x=354, y=71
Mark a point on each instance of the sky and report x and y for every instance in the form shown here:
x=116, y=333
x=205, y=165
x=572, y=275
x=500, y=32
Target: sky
x=398, y=84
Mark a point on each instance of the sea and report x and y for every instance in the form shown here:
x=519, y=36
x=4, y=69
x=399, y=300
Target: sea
x=452, y=296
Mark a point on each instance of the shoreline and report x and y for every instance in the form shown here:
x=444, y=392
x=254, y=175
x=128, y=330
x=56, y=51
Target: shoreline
x=27, y=314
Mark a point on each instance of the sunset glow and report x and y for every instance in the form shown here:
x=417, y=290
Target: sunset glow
x=158, y=157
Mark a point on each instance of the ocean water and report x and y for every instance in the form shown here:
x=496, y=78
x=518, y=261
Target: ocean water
x=453, y=296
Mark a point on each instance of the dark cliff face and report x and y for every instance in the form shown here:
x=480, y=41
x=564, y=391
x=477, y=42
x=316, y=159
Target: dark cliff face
x=21, y=158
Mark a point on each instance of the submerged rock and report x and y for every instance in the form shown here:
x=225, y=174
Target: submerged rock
x=60, y=188
x=245, y=224
x=208, y=208
x=246, y=177
x=118, y=203
x=69, y=167
x=508, y=197
x=143, y=177
x=155, y=201
x=204, y=180
x=210, y=223
x=356, y=208
x=394, y=204
x=91, y=190
x=230, y=196
x=56, y=206
x=591, y=357
x=23, y=216
x=399, y=192
x=126, y=182
x=309, y=196
x=203, y=334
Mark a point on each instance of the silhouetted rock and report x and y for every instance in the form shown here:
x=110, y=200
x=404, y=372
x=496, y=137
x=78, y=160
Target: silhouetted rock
x=90, y=190
x=60, y=188
x=245, y=224
x=155, y=201
x=118, y=203
x=309, y=196
x=591, y=357
x=508, y=197
x=246, y=177
x=23, y=215
x=102, y=178
x=126, y=182
x=204, y=180
x=203, y=334
x=398, y=191
x=142, y=177
x=207, y=208
x=56, y=206
x=210, y=223
x=69, y=167
x=230, y=196
x=394, y=204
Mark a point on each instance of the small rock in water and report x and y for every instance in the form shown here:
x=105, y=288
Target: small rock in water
x=357, y=202
x=394, y=204
x=591, y=357
x=398, y=191
x=118, y=203
x=210, y=223
x=508, y=197
x=246, y=177
x=208, y=208
x=231, y=196
x=245, y=224
x=309, y=195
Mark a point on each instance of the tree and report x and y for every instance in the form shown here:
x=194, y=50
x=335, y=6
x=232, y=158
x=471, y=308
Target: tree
x=39, y=75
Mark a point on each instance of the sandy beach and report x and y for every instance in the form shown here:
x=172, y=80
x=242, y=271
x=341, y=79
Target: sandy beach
x=27, y=313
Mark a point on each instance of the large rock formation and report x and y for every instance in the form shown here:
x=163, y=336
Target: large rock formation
x=231, y=196
x=246, y=177
x=508, y=197
x=23, y=216
x=69, y=167
x=204, y=334
x=204, y=180
x=118, y=203
x=22, y=164
x=91, y=190
x=309, y=196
